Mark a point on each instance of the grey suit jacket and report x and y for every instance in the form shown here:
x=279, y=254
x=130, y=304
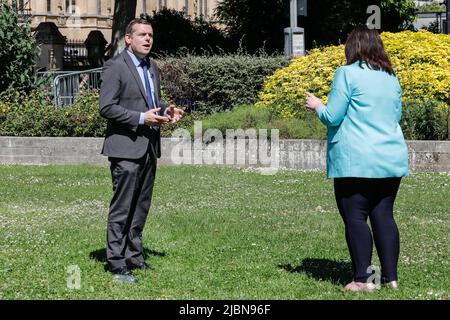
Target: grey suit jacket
x=122, y=99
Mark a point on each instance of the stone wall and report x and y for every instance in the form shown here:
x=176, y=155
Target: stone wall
x=425, y=156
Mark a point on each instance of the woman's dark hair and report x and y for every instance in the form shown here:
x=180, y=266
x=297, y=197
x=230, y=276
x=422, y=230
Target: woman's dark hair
x=365, y=45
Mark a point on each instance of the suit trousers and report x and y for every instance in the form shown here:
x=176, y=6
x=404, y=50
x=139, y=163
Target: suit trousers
x=133, y=182
x=361, y=198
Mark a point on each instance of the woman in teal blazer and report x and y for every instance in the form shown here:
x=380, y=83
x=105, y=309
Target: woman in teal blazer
x=366, y=154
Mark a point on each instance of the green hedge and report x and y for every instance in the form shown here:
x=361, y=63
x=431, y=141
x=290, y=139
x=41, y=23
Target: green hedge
x=249, y=116
x=34, y=115
x=176, y=32
x=421, y=120
x=217, y=83
x=30, y=115
x=426, y=120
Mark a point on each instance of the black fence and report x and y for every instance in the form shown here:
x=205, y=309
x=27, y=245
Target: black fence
x=75, y=55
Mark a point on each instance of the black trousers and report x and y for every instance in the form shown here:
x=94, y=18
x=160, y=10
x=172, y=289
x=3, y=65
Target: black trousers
x=362, y=198
x=133, y=182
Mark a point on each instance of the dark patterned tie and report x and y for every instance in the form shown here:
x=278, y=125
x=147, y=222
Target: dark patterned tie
x=148, y=90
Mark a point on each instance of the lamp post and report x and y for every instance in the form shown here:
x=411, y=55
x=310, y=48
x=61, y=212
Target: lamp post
x=448, y=16
x=294, y=37
x=293, y=13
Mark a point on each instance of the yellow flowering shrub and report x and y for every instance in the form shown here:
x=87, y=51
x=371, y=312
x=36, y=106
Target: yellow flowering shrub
x=5, y=107
x=421, y=61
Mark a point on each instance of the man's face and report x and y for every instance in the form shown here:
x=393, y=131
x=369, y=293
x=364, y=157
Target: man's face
x=140, y=40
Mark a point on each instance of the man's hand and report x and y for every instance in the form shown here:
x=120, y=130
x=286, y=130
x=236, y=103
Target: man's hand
x=312, y=102
x=152, y=118
x=175, y=114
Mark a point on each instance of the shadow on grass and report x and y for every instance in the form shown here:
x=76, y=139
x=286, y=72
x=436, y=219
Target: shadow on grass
x=338, y=272
x=100, y=255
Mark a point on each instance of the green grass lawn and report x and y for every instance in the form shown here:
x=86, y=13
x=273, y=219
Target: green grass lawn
x=212, y=233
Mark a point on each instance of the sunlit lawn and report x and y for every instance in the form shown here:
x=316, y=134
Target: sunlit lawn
x=212, y=233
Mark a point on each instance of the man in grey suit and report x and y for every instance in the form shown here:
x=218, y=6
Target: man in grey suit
x=130, y=99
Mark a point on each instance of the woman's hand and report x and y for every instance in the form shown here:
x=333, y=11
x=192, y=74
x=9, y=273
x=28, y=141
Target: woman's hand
x=312, y=102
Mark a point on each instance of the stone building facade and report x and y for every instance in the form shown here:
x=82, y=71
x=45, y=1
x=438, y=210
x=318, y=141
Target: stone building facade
x=76, y=18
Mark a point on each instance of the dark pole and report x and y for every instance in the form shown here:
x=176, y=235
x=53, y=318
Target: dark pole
x=448, y=16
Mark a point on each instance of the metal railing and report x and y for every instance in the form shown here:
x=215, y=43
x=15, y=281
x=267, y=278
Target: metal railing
x=66, y=86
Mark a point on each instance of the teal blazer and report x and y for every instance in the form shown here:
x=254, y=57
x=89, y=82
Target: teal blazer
x=362, y=115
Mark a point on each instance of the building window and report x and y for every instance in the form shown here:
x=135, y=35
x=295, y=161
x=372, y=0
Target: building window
x=20, y=6
x=203, y=8
x=70, y=6
x=49, y=6
x=186, y=6
x=144, y=6
x=99, y=7
x=162, y=4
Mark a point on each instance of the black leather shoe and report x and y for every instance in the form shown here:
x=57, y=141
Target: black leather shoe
x=123, y=274
x=142, y=266
x=123, y=271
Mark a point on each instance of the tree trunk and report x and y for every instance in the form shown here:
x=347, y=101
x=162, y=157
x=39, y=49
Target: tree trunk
x=124, y=12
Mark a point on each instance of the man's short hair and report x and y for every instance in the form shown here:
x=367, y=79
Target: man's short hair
x=129, y=28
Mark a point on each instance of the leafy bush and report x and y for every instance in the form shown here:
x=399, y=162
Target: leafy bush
x=34, y=115
x=252, y=117
x=17, y=51
x=83, y=117
x=217, y=83
x=260, y=23
x=176, y=32
x=307, y=128
x=30, y=116
x=254, y=24
x=420, y=60
x=425, y=120
x=283, y=92
x=242, y=117
x=431, y=7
